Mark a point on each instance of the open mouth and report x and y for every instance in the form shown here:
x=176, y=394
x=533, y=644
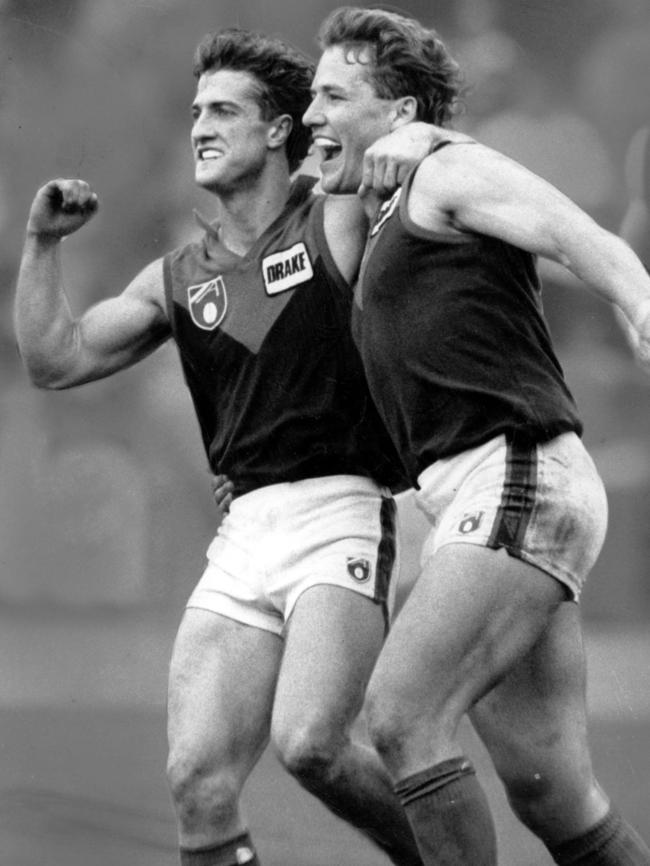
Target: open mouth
x=208, y=153
x=328, y=148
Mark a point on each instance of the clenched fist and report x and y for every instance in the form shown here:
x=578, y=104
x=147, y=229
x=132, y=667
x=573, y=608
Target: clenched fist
x=61, y=207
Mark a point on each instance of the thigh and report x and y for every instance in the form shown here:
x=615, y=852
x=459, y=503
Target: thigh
x=472, y=614
x=221, y=686
x=333, y=639
x=534, y=721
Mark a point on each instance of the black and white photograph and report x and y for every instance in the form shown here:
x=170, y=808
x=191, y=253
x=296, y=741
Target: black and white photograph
x=325, y=433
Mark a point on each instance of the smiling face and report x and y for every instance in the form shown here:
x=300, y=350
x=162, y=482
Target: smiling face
x=230, y=138
x=345, y=116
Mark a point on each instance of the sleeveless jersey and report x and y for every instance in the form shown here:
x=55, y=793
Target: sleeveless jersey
x=268, y=356
x=453, y=339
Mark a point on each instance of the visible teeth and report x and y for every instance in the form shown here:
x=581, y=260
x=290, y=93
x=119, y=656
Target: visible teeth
x=328, y=146
x=322, y=141
x=210, y=154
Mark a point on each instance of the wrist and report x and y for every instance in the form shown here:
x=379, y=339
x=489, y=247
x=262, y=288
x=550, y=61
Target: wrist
x=42, y=238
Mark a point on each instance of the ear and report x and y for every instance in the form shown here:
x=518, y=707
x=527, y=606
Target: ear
x=278, y=131
x=405, y=111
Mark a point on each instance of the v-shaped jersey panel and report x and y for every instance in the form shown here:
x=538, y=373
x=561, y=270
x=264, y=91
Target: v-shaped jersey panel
x=268, y=356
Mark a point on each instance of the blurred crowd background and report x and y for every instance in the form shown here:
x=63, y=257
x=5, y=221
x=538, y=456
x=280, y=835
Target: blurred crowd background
x=105, y=510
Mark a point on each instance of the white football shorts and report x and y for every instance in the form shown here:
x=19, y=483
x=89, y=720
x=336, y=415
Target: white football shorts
x=544, y=503
x=282, y=539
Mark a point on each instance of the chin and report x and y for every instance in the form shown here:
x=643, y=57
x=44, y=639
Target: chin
x=334, y=185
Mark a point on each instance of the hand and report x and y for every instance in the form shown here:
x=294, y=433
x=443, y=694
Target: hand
x=222, y=489
x=387, y=162
x=638, y=333
x=60, y=208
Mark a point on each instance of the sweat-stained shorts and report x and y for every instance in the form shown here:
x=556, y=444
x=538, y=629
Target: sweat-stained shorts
x=544, y=503
x=282, y=539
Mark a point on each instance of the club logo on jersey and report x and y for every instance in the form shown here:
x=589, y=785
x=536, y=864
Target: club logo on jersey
x=470, y=522
x=386, y=211
x=207, y=303
x=358, y=569
x=287, y=269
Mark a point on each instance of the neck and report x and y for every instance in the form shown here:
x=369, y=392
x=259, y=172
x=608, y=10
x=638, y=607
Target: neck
x=245, y=214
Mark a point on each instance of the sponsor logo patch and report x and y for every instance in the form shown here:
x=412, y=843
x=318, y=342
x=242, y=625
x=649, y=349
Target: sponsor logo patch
x=386, y=211
x=358, y=569
x=208, y=303
x=470, y=522
x=286, y=269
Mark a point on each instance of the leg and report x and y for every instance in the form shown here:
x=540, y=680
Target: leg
x=471, y=615
x=333, y=640
x=535, y=728
x=221, y=687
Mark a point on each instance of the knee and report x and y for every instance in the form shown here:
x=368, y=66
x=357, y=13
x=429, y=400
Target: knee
x=543, y=803
x=530, y=797
x=388, y=725
x=403, y=728
x=203, y=793
x=310, y=752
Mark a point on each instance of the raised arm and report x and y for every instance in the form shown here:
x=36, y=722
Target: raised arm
x=59, y=350
x=472, y=189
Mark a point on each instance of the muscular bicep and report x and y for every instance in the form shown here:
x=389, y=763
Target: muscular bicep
x=485, y=193
x=475, y=190
x=119, y=331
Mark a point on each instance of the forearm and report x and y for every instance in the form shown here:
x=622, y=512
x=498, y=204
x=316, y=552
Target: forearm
x=615, y=272
x=45, y=328
x=635, y=229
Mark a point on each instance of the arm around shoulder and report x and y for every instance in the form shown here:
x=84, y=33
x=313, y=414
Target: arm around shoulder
x=479, y=191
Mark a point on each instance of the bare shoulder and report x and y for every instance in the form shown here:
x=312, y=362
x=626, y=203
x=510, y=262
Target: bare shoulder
x=461, y=176
x=148, y=285
x=466, y=163
x=346, y=227
x=446, y=165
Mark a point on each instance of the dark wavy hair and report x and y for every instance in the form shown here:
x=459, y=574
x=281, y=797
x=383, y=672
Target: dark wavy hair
x=406, y=58
x=283, y=73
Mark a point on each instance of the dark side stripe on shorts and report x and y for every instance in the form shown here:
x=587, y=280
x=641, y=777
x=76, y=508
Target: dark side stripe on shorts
x=386, y=551
x=518, y=497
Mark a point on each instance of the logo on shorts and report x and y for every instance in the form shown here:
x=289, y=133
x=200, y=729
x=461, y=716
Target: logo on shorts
x=207, y=303
x=358, y=569
x=244, y=855
x=470, y=522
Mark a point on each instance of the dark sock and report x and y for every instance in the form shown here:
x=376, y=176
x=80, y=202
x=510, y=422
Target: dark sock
x=450, y=815
x=235, y=852
x=612, y=842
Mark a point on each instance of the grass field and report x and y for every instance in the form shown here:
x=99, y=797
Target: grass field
x=84, y=785
x=83, y=750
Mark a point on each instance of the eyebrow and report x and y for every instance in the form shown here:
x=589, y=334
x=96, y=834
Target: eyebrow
x=326, y=88
x=214, y=103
